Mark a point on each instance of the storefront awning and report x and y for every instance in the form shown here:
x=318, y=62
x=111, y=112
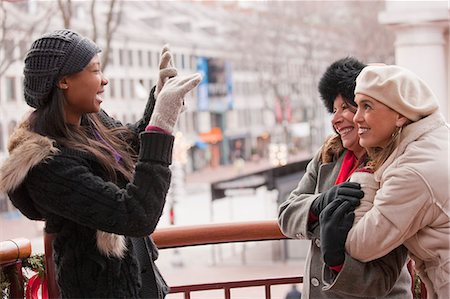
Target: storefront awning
x=213, y=136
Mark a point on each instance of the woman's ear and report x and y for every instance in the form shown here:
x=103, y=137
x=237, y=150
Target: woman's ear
x=62, y=84
x=401, y=121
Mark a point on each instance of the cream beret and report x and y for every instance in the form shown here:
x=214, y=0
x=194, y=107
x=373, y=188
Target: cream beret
x=397, y=88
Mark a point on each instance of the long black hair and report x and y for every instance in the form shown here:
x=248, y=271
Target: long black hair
x=92, y=136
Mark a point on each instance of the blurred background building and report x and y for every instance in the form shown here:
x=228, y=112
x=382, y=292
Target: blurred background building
x=261, y=61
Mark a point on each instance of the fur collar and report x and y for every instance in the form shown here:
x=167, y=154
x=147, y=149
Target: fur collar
x=26, y=150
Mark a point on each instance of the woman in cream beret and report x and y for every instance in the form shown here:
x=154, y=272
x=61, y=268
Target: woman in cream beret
x=400, y=125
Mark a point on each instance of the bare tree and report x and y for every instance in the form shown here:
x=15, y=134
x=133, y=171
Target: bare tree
x=66, y=9
x=15, y=34
x=288, y=45
x=110, y=21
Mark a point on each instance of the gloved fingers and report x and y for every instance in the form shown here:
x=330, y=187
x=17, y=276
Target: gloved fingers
x=166, y=58
x=164, y=75
x=187, y=83
x=354, y=201
x=328, y=211
x=348, y=220
x=336, y=209
x=353, y=185
x=181, y=81
x=344, y=208
x=164, y=49
x=167, y=73
x=350, y=192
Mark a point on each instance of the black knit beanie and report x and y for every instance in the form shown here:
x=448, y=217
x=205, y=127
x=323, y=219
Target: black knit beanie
x=51, y=57
x=340, y=79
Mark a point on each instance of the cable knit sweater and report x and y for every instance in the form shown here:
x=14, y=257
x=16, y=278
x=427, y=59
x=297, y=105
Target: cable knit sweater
x=70, y=191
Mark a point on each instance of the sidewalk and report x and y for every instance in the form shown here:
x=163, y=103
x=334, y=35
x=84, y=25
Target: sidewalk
x=223, y=172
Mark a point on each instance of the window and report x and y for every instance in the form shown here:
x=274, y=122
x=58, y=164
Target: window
x=183, y=66
x=131, y=87
x=149, y=58
x=121, y=57
x=175, y=59
x=112, y=91
x=10, y=89
x=122, y=88
x=140, y=60
x=130, y=58
x=111, y=56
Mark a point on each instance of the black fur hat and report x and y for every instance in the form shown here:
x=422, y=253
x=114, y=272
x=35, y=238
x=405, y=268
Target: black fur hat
x=340, y=79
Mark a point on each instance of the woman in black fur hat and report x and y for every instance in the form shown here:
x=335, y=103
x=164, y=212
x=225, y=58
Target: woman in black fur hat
x=336, y=274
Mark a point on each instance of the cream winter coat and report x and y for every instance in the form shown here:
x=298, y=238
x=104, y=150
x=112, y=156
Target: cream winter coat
x=412, y=207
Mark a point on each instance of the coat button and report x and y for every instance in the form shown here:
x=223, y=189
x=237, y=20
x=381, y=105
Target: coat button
x=298, y=236
x=317, y=241
x=315, y=282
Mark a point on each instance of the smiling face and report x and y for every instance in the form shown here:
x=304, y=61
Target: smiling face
x=83, y=91
x=376, y=122
x=342, y=122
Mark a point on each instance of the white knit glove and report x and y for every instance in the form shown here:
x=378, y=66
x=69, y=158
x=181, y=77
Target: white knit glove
x=166, y=69
x=170, y=100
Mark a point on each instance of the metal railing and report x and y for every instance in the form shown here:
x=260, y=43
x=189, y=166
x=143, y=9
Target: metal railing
x=175, y=237
x=12, y=252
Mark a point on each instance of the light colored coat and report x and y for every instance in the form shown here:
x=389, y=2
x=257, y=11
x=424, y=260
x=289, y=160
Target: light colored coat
x=386, y=277
x=412, y=207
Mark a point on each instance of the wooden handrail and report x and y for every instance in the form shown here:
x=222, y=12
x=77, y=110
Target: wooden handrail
x=14, y=249
x=12, y=252
x=180, y=236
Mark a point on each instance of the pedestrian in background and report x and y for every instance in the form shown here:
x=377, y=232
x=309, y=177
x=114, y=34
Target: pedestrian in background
x=293, y=293
x=325, y=179
x=99, y=186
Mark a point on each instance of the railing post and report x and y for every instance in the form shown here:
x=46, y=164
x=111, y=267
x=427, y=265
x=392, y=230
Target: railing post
x=268, y=294
x=227, y=293
x=15, y=277
x=12, y=252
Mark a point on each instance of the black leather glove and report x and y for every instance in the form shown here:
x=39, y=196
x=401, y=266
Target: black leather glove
x=336, y=220
x=350, y=191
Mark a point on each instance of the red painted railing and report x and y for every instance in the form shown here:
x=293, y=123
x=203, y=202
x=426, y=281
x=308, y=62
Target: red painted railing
x=12, y=252
x=175, y=237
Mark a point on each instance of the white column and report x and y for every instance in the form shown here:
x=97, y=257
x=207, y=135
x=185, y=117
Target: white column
x=422, y=49
x=422, y=42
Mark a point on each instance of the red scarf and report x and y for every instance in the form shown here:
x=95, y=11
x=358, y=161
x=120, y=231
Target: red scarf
x=349, y=165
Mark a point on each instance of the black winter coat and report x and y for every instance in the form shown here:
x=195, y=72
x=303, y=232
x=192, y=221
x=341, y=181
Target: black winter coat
x=70, y=191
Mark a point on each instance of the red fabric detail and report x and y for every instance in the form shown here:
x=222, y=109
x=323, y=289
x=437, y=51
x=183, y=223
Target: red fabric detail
x=365, y=169
x=312, y=217
x=151, y=128
x=337, y=268
x=34, y=284
x=349, y=164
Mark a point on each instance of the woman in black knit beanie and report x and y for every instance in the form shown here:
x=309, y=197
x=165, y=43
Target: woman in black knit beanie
x=99, y=186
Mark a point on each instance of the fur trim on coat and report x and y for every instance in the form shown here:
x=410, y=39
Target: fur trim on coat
x=26, y=150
